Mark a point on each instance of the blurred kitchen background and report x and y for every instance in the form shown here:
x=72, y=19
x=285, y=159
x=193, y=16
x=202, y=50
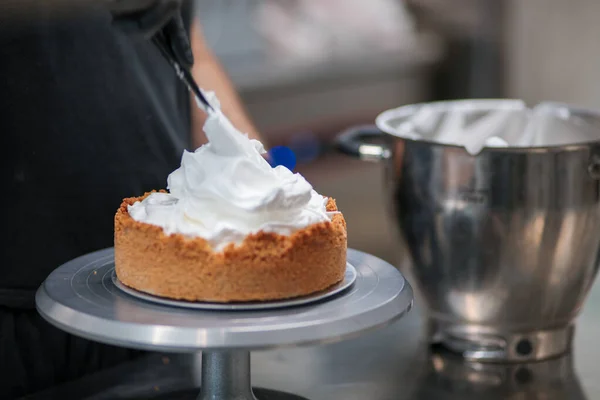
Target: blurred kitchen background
x=307, y=69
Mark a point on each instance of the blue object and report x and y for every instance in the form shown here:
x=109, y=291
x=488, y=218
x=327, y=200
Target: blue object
x=282, y=155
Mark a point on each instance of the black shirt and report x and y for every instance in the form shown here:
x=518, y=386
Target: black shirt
x=88, y=116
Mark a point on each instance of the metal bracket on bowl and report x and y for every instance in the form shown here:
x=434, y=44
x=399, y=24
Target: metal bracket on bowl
x=479, y=347
x=486, y=345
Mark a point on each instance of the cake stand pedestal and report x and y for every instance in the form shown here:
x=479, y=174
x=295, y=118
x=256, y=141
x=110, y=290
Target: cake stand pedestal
x=81, y=298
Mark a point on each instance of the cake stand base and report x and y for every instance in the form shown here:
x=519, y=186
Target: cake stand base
x=261, y=394
x=226, y=375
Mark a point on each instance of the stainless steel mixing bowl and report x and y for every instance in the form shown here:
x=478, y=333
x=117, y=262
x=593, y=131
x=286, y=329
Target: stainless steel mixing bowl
x=505, y=244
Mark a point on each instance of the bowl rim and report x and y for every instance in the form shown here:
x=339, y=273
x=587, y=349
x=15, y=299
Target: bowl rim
x=382, y=122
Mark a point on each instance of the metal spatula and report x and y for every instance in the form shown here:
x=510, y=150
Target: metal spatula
x=182, y=72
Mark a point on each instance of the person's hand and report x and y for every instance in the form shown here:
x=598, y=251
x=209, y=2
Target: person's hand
x=148, y=18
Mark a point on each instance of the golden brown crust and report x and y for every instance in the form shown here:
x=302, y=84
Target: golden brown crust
x=265, y=266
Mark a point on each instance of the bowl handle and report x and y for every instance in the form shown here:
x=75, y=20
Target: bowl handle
x=352, y=143
x=594, y=167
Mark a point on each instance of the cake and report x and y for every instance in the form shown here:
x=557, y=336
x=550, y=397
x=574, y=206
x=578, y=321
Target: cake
x=230, y=228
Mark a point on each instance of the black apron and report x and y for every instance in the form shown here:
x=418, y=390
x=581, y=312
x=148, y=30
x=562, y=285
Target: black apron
x=87, y=117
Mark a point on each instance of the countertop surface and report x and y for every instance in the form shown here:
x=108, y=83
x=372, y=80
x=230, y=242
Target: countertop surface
x=393, y=363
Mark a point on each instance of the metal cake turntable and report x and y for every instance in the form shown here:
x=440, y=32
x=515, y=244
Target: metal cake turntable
x=81, y=298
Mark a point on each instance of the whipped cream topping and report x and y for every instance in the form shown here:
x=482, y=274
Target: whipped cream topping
x=226, y=190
